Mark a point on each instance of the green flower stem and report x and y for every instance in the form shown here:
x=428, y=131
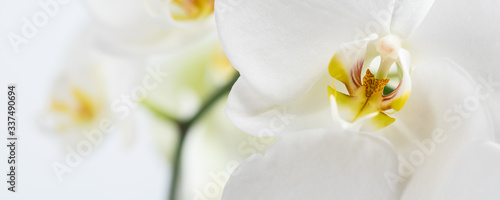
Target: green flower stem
x=184, y=126
x=176, y=168
x=216, y=96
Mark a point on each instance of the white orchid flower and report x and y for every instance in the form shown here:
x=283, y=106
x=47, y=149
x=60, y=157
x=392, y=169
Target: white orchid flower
x=169, y=34
x=86, y=89
x=284, y=61
x=181, y=38
x=153, y=26
x=433, y=161
x=289, y=53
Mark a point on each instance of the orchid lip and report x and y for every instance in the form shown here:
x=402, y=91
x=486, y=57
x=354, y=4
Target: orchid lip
x=365, y=97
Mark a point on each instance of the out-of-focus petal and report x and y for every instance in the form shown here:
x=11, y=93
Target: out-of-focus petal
x=190, y=81
x=145, y=27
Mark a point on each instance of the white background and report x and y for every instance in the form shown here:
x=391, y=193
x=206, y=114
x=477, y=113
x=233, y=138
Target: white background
x=112, y=171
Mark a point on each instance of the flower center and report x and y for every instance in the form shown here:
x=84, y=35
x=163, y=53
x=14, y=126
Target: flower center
x=83, y=110
x=364, y=99
x=373, y=85
x=191, y=9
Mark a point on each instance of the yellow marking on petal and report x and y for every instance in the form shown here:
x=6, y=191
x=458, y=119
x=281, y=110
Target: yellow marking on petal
x=348, y=106
x=398, y=103
x=59, y=106
x=192, y=9
x=84, y=111
x=337, y=70
x=365, y=101
x=380, y=121
x=342, y=99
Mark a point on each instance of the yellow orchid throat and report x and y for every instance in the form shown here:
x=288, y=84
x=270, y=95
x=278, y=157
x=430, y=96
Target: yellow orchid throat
x=364, y=99
x=84, y=110
x=373, y=85
x=191, y=9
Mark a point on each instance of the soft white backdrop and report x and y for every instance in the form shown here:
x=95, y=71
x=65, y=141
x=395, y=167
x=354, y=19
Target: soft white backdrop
x=112, y=171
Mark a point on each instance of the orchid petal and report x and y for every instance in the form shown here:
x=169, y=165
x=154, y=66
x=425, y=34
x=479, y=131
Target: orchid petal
x=254, y=113
x=475, y=174
x=470, y=174
x=317, y=164
x=189, y=81
x=407, y=16
x=292, y=41
x=441, y=116
x=134, y=27
x=438, y=107
x=467, y=33
x=126, y=19
x=464, y=31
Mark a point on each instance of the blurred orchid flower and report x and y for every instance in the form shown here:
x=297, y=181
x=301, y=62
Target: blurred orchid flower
x=88, y=86
x=85, y=90
x=293, y=51
x=73, y=104
x=195, y=74
x=180, y=37
x=153, y=26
